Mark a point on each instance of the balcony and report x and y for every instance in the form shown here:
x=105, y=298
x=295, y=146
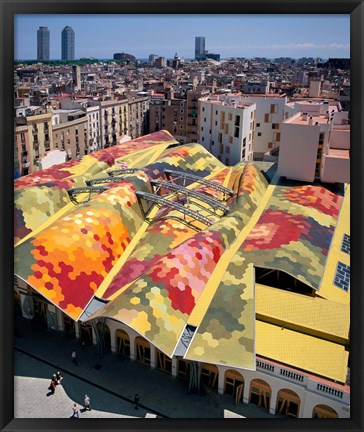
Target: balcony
x=312, y=383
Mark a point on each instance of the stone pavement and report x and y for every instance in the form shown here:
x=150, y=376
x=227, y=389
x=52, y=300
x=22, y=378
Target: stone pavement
x=111, y=383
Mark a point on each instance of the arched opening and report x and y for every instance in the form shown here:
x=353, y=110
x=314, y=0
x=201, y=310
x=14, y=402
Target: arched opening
x=260, y=393
x=324, y=411
x=142, y=350
x=69, y=325
x=209, y=377
x=183, y=368
x=234, y=385
x=122, y=342
x=40, y=310
x=288, y=403
x=107, y=339
x=164, y=363
x=86, y=334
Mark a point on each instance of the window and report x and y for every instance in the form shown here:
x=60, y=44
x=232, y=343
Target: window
x=259, y=134
x=227, y=149
x=204, y=119
x=273, y=108
x=277, y=136
x=230, y=140
x=219, y=138
x=215, y=123
x=230, y=116
x=258, y=124
x=202, y=128
x=221, y=149
x=342, y=276
x=345, y=247
x=203, y=139
x=275, y=125
x=203, y=109
x=266, y=118
x=181, y=111
x=321, y=137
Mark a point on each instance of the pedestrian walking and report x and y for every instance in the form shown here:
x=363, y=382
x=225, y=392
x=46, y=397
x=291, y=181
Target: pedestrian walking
x=54, y=379
x=87, y=403
x=59, y=377
x=74, y=357
x=52, y=387
x=136, y=400
x=75, y=411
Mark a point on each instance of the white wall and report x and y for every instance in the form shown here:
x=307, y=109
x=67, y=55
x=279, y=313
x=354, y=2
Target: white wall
x=335, y=170
x=298, y=151
x=340, y=139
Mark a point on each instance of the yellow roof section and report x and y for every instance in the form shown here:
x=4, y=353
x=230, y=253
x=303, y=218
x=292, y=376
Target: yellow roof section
x=310, y=315
x=327, y=289
x=304, y=352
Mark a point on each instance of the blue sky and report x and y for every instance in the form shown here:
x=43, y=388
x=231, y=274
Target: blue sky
x=229, y=35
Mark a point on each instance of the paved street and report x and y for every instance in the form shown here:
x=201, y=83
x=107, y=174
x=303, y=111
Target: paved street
x=111, y=382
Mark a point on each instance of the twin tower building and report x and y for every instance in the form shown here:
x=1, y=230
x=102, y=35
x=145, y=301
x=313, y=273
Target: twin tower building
x=68, y=43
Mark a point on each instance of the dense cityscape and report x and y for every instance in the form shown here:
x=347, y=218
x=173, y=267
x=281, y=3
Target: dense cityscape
x=190, y=215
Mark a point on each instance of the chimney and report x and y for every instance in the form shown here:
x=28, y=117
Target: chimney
x=310, y=121
x=304, y=116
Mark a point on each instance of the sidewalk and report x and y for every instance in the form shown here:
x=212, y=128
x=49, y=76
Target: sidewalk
x=110, y=382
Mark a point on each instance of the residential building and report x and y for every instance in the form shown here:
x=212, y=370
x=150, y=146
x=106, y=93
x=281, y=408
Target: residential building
x=76, y=78
x=23, y=150
x=315, y=146
x=226, y=127
x=138, y=114
x=270, y=111
x=43, y=43
x=70, y=134
x=68, y=43
x=114, y=120
x=192, y=112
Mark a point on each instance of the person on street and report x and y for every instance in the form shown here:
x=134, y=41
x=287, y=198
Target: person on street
x=75, y=411
x=136, y=401
x=87, y=403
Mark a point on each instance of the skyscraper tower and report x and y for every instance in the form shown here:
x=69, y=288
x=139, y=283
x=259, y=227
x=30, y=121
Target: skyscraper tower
x=68, y=43
x=199, y=47
x=43, y=43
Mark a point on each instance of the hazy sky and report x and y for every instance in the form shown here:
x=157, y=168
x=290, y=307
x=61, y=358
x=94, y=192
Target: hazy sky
x=248, y=36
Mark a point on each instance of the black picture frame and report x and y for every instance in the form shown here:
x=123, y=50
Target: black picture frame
x=9, y=8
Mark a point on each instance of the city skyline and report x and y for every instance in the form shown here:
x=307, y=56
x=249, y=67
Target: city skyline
x=247, y=36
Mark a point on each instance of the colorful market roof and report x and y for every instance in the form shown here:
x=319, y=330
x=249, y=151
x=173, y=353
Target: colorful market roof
x=159, y=269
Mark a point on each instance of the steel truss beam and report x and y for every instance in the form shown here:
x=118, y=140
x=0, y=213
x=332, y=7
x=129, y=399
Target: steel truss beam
x=214, y=203
x=73, y=192
x=103, y=180
x=123, y=171
x=176, y=175
x=163, y=202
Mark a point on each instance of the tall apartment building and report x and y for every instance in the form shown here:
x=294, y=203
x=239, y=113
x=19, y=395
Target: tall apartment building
x=34, y=140
x=315, y=146
x=76, y=78
x=199, y=47
x=114, y=121
x=138, y=114
x=71, y=135
x=270, y=111
x=192, y=114
x=23, y=149
x=68, y=43
x=226, y=127
x=43, y=45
